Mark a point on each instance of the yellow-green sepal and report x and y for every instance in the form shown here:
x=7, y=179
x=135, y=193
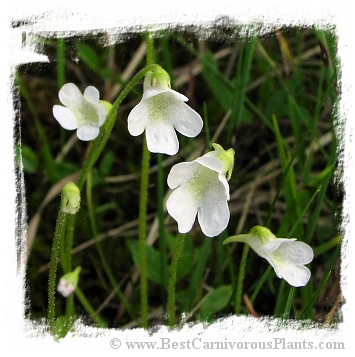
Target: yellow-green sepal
x=227, y=158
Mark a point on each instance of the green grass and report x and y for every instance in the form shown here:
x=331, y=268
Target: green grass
x=280, y=97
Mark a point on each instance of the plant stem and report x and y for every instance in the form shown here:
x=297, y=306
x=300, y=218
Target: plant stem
x=143, y=200
x=161, y=227
x=68, y=244
x=238, y=294
x=150, y=48
x=102, y=256
x=66, y=259
x=58, y=236
x=86, y=305
x=260, y=283
x=206, y=127
x=62, y=251
x=288, y=306
x=60, y=69
x=172, y=278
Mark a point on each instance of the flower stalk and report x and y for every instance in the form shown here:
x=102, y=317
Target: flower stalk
x=143, y=200
x=179, y=243
x=240, y=282
x=58, y=236
x=104, y=262
x=90, y=310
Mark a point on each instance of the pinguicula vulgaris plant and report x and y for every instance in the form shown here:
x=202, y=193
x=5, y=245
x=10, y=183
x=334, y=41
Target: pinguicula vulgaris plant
x=199, y=188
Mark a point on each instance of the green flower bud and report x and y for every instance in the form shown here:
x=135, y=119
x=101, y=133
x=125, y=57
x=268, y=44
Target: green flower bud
x=69, y=282
x=227, y=158
x=70, y=198
x=107, y=105
x=158, y=78
x=264, y=234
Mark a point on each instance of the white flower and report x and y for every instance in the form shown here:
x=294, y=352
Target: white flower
x=68, y=282
x=65, y=287
x=160, y=112
x=201, y=188
x=82, y=112
x=286, y=255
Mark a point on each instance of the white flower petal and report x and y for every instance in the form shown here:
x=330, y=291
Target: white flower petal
x=138, y=118
x=295, y=252
x=181, y=173
x=152, y=92
x=92, y=95
x=185, y=120
x=183, y=208
x=224, y=182
x=210, y=162
x=213, y=212
x=286, y=256
x=272, y=245
x=255, y=244
x=87, y=133
x=71, y=96
x=102, y=114
x=295, y=275
x=65, y=288
x=178, y=95
x=65, y=117
x=161, y=138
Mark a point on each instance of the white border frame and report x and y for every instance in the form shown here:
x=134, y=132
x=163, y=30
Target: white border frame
x=70, y=18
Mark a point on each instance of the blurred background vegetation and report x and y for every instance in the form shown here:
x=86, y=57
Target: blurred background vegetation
x=272, y=98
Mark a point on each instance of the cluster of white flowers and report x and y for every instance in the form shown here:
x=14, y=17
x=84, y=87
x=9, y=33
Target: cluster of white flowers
x=200, y=187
